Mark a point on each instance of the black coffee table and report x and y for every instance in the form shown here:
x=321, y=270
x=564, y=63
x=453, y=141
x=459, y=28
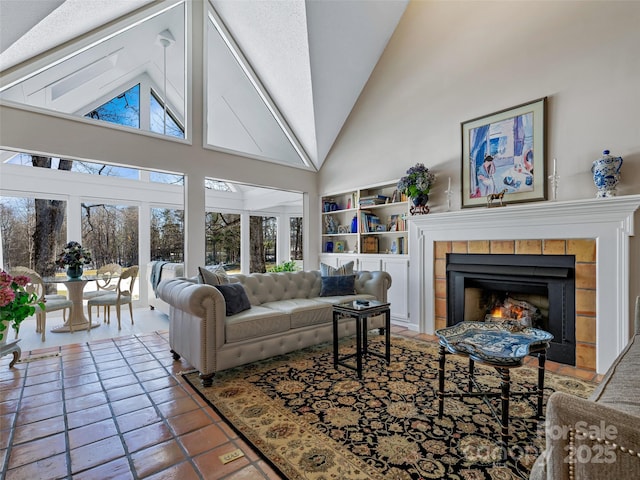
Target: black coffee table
x=501, y=345
x=361, y=312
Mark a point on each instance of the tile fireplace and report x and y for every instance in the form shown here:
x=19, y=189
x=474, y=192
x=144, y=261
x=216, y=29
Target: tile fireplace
x=598, y=232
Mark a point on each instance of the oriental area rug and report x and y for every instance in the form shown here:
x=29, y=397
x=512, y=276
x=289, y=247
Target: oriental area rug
x=311, y=421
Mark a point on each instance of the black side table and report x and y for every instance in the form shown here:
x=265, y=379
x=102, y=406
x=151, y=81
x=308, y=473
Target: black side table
x=497, y=344
x=361, y=312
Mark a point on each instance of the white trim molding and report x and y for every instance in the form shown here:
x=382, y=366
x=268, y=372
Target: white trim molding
x=610, y=221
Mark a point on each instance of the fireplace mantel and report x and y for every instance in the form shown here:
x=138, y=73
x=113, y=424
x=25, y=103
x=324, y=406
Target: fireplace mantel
x=610, y=221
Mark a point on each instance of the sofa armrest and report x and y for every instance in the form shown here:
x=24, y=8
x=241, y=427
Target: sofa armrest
x=587, y=439
x=196, y=301
x=188, y=296
x=373, y=283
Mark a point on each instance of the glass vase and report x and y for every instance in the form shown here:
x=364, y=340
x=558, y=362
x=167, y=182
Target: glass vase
x=74, y=272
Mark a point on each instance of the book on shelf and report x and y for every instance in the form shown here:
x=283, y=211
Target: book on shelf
x=370, y=200
x=370, y=222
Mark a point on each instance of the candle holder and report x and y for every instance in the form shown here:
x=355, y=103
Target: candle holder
x=555, y=178
x=449, y=193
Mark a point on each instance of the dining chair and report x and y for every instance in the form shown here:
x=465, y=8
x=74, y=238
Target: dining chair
x=106, y=282
x=52, y=302
x=123, y=294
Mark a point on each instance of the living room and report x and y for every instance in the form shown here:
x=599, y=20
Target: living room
x=444, y=64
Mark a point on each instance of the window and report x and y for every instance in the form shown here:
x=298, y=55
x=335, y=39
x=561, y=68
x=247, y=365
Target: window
x=262, y=241
x=20, y=220
x=158, y=119
x=112, y=79
x=222, y=232
x=295, y=243
x=111, y=233
x=167, y=235
x=123, y=109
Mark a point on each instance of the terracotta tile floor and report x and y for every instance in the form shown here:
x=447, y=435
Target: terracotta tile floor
x=117, y=408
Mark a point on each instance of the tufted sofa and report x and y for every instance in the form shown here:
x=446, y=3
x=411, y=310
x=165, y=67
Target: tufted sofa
x=287, y=313
x=598, y=437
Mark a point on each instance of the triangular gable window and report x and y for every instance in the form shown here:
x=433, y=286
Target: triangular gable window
x=123, y=109
x=162, y=121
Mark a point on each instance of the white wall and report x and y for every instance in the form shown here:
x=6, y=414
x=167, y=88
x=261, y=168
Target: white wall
x=449, y=62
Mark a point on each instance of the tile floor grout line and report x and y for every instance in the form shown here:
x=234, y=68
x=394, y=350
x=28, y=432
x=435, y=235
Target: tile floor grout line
x=65, y=417
x=174, y=435
x=119, y=434
x=12, y=428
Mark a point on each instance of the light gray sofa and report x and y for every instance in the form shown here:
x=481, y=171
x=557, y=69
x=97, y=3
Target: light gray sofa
x=599, y=437
x=287, y=313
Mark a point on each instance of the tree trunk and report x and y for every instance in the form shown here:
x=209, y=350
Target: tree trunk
x=49, y=220
x=256, y=240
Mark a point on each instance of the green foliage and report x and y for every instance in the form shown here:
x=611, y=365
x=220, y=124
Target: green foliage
x=289, y=266
x=16, y=301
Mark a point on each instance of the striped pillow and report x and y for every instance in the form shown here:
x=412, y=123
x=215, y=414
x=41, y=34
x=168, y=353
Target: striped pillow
x=329, y=271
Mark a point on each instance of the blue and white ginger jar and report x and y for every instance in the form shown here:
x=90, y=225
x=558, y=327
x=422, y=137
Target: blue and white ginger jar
x=606, y=174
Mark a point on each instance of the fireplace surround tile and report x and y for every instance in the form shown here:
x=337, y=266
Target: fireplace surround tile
x=554, y=247
x=502, y=246
x=459, y=247
x=583, y=249
x=585, y=356
x=529, y=247
x=586, y=275
x=478, y=246
x=585, y=329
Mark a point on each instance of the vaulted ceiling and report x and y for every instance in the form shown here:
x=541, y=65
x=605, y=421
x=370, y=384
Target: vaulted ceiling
x=281, y=76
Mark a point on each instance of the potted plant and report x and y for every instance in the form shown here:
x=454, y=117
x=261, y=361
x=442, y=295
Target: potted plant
x=17, y=301
x=417, y=184
x=73, y=258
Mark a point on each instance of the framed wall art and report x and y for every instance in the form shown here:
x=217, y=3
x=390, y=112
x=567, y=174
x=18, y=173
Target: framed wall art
x=504, y=153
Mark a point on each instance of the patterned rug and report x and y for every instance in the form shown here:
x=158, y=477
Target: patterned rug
x=311, y=421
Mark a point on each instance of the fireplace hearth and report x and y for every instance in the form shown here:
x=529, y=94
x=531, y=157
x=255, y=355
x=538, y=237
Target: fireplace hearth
x=479, y=285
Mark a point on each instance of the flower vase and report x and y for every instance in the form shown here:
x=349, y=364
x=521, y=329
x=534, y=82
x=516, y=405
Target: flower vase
x=421, y=200
x=606, y=174
x=420, y=206
x=74, y=272
x=5, y=331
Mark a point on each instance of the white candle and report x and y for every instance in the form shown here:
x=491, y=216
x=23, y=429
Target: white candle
x=449, y=189
x=554, y=167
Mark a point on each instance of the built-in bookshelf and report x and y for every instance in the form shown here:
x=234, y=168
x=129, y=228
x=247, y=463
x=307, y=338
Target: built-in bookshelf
x=368, y=220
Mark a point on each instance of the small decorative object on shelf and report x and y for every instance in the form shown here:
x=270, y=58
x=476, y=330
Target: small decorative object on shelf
x=330, y=224
x=417, y=185
x=73, y=257
x=555, y=178
x=449, y=193
x=606, y=174
x=496, y=196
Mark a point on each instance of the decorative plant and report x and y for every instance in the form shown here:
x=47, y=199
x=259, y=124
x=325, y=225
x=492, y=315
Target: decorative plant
x=73, y=256
x=418, y=181
x=18, y=301
x=289, y=266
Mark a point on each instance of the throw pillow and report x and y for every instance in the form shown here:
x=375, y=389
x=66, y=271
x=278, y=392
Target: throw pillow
x=235, y=298
x=329, y=271
x=213, y=275
x=338, y=285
